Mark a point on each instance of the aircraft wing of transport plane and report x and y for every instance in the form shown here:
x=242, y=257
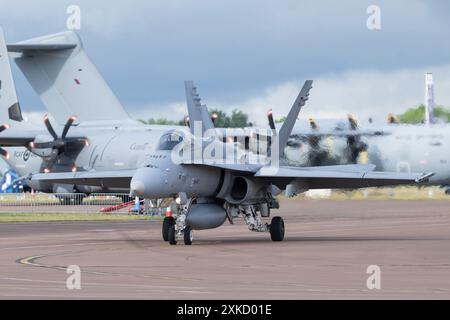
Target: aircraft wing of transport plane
x=210, y=189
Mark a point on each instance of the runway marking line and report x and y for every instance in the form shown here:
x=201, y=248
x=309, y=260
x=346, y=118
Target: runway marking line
x=31, y=261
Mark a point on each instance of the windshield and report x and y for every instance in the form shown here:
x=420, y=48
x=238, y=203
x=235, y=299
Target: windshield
x=169, y=140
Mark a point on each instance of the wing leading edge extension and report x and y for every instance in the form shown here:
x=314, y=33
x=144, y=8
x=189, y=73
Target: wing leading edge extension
x=111, y=179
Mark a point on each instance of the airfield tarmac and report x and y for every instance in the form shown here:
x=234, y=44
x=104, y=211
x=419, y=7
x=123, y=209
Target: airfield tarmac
x=327, y=249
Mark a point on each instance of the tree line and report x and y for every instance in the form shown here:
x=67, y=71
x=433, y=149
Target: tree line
x=417, y=115
x=239, y=119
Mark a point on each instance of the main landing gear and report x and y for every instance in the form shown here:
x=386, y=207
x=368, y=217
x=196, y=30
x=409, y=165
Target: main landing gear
x=175, y=229
x=277, y=229
x=253, y=218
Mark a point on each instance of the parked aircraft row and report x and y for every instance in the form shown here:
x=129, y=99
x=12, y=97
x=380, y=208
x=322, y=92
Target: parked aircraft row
x=94, y=146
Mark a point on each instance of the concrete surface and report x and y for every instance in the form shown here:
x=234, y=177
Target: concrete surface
x=328, y=247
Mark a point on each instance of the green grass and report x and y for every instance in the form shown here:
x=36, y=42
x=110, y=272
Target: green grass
x=54, y=217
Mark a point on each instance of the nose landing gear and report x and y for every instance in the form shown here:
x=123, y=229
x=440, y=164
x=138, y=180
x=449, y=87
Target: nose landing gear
x=167, y=223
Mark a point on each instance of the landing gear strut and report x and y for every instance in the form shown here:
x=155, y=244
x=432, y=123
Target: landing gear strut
x=253, y=218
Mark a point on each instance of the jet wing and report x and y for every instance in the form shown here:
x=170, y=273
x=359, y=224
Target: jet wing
x=15, y=137
x=338, y=177
x=22, y=47
x=342, y=133
x=110, y=179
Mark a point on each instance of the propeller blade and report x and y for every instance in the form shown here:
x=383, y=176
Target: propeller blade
x=271, y=121
x=67, y=126
x=4, y=127
x=353, y=122
x=214, y=117
x=313, y=124
x=50, y=128
x=4, y=153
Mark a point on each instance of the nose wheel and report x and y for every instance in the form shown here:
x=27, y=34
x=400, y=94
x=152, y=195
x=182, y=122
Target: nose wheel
x=277, y=229
x=172, y=235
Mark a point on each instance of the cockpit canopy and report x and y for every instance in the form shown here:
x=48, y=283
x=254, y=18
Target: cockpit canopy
x=169, y=140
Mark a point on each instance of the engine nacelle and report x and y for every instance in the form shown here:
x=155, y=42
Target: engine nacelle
x=205, y=216
x=246, y=190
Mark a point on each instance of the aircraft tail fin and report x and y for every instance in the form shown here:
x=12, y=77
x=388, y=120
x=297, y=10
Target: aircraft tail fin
x=9, y=104
x=197, y=112
x=288, y=125
x=66, y=80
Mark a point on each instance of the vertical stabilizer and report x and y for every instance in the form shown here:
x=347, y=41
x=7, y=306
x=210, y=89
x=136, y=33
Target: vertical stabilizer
x=66, y=80
x=288, y=125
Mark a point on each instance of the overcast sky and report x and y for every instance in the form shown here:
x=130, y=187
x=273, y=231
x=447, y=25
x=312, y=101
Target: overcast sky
x=253, y=54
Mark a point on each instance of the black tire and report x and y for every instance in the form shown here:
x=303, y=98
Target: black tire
x=167, y=223
x=188, y=236
x=172, y=235
x=277, y=229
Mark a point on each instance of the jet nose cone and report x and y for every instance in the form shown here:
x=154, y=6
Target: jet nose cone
x=137, y=187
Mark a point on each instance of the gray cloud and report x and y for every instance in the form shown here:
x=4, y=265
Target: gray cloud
x=364, y=93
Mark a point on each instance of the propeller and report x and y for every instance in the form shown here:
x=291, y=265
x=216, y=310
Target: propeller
x=214, y=117
x=317, y=155
x=313, y=124
x=3, y=152
x=58, y=142
x=392, y=119
x=271, y=120
x=58, y=146
x=354, y=143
